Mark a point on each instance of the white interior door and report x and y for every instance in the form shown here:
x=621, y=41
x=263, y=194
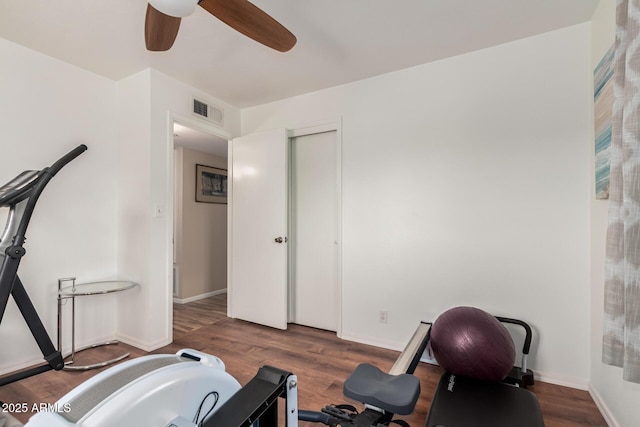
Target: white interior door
x=314, y=224
x=258, y=248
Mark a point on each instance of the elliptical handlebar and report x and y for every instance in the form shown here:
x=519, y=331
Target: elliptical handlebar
x=64, y=160
x=22, y=185
x=36, y=187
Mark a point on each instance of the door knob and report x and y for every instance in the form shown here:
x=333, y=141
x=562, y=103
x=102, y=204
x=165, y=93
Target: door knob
x=280, y=239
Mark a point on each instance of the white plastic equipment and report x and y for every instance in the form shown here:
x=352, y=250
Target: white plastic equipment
x=156, y=391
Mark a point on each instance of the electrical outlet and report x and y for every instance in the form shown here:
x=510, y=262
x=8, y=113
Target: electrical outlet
x=384, y=316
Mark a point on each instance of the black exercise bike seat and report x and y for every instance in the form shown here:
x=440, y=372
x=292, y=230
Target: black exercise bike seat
x=393, y=393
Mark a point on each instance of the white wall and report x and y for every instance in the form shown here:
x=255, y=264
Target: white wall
x=617, y=398
x=466, y=182
x=96, y=219
x=133, y=217
x=47, y=108
x=149, y=100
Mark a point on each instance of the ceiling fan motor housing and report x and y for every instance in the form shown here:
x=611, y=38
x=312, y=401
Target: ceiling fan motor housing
x=175, y=8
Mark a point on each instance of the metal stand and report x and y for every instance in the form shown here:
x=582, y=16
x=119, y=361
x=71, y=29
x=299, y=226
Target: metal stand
x=71, y=293
x=257, y=402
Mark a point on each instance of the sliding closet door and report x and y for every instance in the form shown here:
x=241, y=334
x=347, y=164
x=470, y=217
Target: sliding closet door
x=314, y=231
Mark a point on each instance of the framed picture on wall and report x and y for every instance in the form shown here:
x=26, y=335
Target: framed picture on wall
x=211, y=184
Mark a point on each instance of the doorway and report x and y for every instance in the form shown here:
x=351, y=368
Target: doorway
x=268, y=257
x=199, y=227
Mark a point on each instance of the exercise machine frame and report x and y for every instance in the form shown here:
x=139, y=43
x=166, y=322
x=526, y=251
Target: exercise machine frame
x=20, y=196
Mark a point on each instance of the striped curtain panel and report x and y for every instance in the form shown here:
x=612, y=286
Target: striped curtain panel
x=621, y=340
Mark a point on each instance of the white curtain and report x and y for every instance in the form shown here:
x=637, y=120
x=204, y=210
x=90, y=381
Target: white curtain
x=621, y=340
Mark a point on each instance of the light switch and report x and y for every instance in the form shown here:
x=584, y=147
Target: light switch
x=158, y=211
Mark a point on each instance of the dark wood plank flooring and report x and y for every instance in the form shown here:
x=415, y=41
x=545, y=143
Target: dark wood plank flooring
x=319, y=359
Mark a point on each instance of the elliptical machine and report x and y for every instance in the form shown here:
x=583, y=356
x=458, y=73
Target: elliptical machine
x=20, y=196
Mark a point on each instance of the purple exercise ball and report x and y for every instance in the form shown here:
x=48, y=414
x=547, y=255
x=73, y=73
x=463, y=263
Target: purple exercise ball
x=470, y=342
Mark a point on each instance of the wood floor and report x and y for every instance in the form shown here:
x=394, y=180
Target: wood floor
x=319, y=359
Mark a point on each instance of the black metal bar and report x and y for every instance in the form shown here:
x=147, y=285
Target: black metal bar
x=62, y=162
x=11, y=378
x=8, y=273
x=418, y=354
x=269, y=418
x=28, y=192
x=15, y=252
x=43, y=179
x=314, y=417
x=256, y=401
x=51, y=354
x=528, y=334
x=520, y=375
x=53, y=357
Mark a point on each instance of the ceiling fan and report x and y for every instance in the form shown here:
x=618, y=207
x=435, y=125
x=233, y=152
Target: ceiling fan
x=163, y=21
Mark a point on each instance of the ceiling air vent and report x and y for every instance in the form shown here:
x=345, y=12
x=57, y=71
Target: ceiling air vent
x=209, y=112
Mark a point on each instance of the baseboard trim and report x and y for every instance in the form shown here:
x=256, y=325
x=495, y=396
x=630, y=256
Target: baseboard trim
x=199, y=297
x=602, y=407
x=375, y=342
x=145, y=346
x=570, y=382
x=9, y=368
x=66, y=351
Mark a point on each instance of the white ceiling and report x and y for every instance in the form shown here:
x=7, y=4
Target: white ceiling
x=339, y=41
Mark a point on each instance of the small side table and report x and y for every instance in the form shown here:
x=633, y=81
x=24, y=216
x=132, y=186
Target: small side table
x=73, y=290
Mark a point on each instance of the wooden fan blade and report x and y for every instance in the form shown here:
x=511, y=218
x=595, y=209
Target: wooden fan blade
x=251, y=21
x=160, y=30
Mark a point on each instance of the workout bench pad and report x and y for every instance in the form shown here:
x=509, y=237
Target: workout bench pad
x=463, y=402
